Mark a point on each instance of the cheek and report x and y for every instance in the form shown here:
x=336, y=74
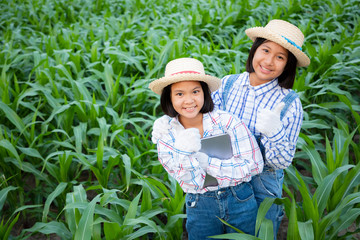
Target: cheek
x=201, y=100
x=281, y=66
x=255, y=59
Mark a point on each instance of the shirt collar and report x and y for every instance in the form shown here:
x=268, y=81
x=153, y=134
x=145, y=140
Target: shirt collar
x=266, y=87
x=208, y=122
x=263, y=88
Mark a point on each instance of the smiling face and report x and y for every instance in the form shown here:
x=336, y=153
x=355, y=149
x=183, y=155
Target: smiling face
x=269, y=62
x=187, y=98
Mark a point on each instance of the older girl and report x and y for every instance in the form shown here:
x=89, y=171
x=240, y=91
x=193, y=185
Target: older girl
x=263, y=99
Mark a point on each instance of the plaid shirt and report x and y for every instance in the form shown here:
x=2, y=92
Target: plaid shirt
x=184, y=167
x=244, y=101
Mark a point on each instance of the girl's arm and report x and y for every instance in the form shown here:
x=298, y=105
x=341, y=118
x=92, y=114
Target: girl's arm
x=247, y=160
x=180, y=161
x=280, y=146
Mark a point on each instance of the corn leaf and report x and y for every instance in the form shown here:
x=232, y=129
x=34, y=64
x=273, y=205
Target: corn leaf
x=85, y=228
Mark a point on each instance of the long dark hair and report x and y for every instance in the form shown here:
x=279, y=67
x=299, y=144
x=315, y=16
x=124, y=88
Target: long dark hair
x=287, y=78
x=167, y=106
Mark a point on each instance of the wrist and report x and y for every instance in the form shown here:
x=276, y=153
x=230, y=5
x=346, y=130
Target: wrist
x=276, y=134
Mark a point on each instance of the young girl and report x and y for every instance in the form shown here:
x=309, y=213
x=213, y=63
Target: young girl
x=186, y=100
x=257, y=97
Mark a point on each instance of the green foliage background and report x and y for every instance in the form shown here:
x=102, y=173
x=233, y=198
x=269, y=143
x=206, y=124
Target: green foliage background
x=76, y=113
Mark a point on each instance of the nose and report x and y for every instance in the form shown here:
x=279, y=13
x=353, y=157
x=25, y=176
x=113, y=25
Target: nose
x=269, y=60
x=189, y=99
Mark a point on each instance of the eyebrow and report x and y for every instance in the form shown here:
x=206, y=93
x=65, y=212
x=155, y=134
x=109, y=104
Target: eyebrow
x=179, y=90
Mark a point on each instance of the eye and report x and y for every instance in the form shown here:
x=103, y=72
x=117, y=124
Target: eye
x=280, y=57
x=265, y=50
x=178, y=94
x=196, y=91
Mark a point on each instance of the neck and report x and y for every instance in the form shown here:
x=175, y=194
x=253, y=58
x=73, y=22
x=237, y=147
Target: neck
x=253, y=80
x=196, y=122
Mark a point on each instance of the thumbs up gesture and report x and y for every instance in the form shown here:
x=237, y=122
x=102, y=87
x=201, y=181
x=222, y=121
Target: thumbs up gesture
x=268, y=121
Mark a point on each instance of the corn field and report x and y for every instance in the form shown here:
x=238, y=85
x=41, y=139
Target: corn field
x=76, y=114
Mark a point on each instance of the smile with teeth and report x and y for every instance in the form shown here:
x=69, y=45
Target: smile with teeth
x=190, y=109
x=265, y=69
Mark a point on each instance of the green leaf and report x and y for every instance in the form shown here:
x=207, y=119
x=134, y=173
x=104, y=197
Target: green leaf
x=293, y=229
x=59, y=189
x=309, y=207
x=329, y=157
x=112, y=231
x=146, y=202
x=266, y=230
x=306, y=230
x=235, y=236
x=345, y=221
x=13, y=118
x=263, y=209
x=127, y=166
x=227, y=224
x=85, y=228
x=352, y=179
x=132, y=211
x=347, y=203
x=322, y=193
x=9, y=225
x=57, y=228
x=319, y=169
x=8, y=146
x=3, y=194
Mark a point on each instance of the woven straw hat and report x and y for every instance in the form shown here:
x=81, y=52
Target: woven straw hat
x=184, y=69
x=285, y=34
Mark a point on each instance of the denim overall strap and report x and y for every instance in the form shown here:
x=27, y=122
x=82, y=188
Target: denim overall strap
x=228, y=85
x=288, y=99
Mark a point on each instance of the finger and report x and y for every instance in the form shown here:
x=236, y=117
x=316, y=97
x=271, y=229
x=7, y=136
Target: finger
x=279, y=107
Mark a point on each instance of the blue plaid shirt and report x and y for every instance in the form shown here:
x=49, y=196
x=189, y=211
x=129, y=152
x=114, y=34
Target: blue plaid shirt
x=244, y=101
x=247, y=160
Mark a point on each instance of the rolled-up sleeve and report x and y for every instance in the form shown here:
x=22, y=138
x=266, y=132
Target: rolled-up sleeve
x=280, y=149
x=247, y=160
x=181, y=165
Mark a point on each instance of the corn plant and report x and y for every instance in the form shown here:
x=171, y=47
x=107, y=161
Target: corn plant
x=76, y=114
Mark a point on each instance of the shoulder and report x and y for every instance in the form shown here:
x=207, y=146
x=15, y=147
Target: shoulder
x=234, y=77
x=169, y=126
x=292, y=102
x=224, y=118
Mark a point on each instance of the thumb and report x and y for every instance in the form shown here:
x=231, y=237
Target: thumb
x=279, y=107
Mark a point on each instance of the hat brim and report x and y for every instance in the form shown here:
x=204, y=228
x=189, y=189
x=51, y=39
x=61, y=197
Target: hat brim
x=255, y=32
x=158, y=85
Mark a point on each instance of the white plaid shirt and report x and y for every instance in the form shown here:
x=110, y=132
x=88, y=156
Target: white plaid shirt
x=184, y=167
x=244, y=101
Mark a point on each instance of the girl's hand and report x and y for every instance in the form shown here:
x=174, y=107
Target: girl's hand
x=161, y=126
x=268, y=121
x=188, y=140
x=203, y=160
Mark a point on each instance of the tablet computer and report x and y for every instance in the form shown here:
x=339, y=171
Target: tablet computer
x=218, y=146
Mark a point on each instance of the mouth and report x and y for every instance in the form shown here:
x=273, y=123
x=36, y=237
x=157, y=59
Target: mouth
x=265, y=69
x=190, y=109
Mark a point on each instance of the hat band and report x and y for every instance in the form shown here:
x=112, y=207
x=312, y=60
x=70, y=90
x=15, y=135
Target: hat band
x=292, y=43
x=182, y=72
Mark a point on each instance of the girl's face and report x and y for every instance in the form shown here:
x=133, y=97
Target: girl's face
x=269, y=62
x=187, y=98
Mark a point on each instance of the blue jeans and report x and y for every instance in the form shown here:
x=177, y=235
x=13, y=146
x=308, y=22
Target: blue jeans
x=269, y=184
x=235, y=205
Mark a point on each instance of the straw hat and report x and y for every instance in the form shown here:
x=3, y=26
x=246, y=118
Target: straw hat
x=184, y=69
x=285, y=34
